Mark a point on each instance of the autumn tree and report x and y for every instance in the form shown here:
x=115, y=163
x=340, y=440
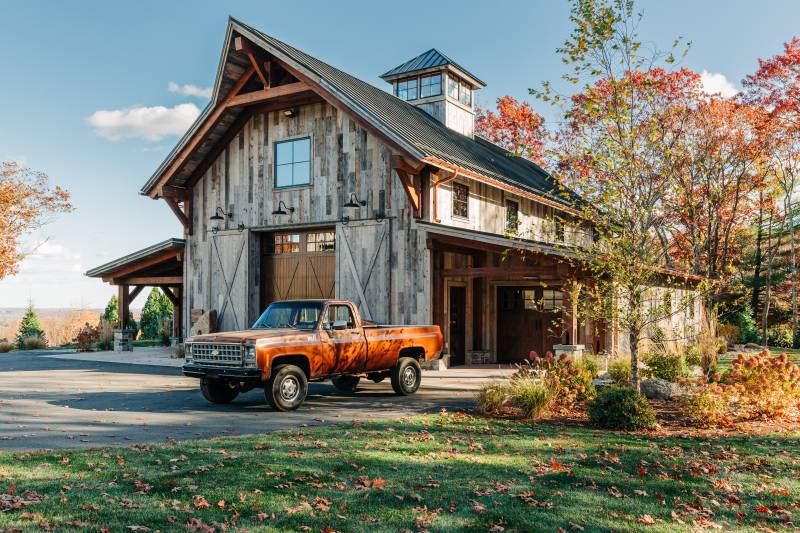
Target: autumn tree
x=26, y=203
x=775, y=89
x=515, y=127
x=618, y=152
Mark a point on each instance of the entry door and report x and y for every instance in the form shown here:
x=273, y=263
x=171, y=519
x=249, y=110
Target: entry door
x=526, y=321
x=458, y=310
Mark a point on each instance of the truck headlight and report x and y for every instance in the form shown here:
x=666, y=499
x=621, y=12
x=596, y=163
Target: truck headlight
x=250, y=356
x=187, y=353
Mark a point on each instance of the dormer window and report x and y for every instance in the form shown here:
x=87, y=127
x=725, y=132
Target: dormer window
x=452, y=87
x=407, y=89
x=431, y=85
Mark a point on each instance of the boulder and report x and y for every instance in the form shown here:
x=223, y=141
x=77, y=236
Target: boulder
x=599, y=383
x=659, y=389
x=207, y=323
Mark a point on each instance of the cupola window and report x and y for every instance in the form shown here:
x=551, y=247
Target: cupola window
x=407, y=89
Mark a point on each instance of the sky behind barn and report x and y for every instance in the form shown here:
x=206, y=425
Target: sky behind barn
x=96, y=93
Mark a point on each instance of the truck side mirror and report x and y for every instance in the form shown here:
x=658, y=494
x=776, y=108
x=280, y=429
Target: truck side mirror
x=339, y=325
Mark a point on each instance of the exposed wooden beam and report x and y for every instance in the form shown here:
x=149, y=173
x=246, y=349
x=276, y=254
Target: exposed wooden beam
x=500, y=271
x=181, y=193
x=169, y=294
x=401, y=163
x=139, y=265
x=153, y=281
x=135, y=292
x=242, y=45
x=264, y=95
x=124, y=302
x=412, y=191
x=178, y=213
x=219, y=147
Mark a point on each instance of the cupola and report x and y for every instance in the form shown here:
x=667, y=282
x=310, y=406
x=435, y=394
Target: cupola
x=439, y=86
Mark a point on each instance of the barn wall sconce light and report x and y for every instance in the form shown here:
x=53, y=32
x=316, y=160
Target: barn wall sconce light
x=291, y=112
x=283, y=209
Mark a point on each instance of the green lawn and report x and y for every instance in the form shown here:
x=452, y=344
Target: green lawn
x=438, y=472
x=794, y=356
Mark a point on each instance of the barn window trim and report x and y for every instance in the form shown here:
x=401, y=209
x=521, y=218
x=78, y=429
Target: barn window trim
x=294, y=162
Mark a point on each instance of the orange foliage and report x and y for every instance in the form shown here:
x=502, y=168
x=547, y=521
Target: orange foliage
x=516, y=127
x=26, y=200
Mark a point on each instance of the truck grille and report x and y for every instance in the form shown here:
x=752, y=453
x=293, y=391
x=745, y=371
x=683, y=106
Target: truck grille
x=217, y=353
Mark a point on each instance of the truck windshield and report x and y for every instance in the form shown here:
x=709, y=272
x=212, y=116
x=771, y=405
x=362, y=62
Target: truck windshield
x=297, y=315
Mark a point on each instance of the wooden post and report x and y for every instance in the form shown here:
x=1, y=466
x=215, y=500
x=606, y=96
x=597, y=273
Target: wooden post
x=124, y=306
x=177, y=315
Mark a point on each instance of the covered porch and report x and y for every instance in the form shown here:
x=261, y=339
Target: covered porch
x=498, y=299
x=159, y=265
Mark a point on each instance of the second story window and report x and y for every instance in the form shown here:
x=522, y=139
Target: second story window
x=431, y=85
x=293, y=162
x=512, y=215
x=460, y=200
x=407, y=89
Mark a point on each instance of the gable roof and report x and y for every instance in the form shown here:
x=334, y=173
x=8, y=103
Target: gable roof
x=431, y=59
x=169, y=245
x=410, y=128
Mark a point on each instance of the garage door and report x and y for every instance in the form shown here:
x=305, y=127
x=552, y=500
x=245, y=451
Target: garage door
x=298, y=265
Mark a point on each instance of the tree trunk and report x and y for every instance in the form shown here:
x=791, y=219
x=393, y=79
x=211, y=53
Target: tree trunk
x=757, y=268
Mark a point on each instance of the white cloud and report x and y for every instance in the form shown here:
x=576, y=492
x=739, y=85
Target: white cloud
x=150, y=123
x=190, y=90
x=717, y=83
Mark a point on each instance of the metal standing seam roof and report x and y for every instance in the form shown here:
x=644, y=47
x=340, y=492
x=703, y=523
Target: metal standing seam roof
x=116, y=264
x=430, y=59
x=412, y=127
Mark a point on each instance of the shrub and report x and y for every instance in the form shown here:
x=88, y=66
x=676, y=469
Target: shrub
x=729, y=332
x=619, y=371
x=621, y=408
x=780, y=336
x=34, y=343
x=566, y=380
x=105, y=334
x=493, y=397
x=667, y=366
x=6, y=346
x=87, y=336
x=755, y=387
x=590, y=364
x=532, y=396
x=180, y=351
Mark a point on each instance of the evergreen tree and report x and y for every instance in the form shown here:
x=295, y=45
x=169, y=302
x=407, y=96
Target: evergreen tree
x=29, y=327
x=156, y=310
x=111, y=313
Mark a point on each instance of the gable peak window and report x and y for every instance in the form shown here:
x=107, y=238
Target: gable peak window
x=460, y=200
x=407, y=89
x=293, y=162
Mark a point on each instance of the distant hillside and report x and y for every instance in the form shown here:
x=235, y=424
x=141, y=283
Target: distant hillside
x=60, y=324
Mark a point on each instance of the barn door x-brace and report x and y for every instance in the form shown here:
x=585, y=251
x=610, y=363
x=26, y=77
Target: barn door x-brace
x=229, y=285
x=362, y=287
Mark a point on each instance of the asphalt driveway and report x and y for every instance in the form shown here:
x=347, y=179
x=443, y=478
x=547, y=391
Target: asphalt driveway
x=55, y=403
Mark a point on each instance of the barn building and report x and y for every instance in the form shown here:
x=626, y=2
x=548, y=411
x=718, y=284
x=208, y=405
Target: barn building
x=299, y=180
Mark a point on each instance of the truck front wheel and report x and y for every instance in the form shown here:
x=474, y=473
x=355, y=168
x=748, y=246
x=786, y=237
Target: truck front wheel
x=406, y=376
x=286, y=390
x=218, y=391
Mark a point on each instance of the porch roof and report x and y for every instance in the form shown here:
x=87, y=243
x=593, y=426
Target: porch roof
x=159, y=264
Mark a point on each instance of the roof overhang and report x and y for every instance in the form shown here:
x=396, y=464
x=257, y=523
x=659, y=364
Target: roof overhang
x=159, y=264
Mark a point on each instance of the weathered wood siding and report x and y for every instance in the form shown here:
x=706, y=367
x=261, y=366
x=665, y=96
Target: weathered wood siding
x=487, y=212
x=382, y=266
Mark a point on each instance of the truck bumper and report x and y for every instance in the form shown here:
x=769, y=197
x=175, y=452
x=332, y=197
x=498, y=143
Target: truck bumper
x=250, y=375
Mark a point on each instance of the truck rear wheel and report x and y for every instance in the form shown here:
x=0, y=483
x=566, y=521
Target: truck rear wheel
x=218, y=391
x=406, y=376
x=287, y=389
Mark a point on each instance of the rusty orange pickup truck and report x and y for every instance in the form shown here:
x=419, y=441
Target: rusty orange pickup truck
x=297, y=341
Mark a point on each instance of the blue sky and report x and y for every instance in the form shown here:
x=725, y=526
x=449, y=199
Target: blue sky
x=63, y=62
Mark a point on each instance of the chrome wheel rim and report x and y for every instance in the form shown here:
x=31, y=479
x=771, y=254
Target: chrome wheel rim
x=290, y=388
x=409, y=377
